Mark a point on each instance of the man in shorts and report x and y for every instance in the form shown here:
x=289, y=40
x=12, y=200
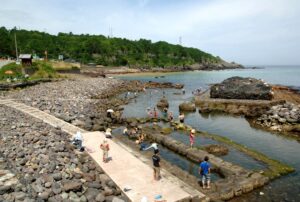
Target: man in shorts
x=204, y=171
x=156, y=165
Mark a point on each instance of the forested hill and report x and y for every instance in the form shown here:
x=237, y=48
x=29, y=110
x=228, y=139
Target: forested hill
x=102, y=50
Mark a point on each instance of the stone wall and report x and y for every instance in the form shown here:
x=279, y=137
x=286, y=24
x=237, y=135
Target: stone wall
x=250, y=108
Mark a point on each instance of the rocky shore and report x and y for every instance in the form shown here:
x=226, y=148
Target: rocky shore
x=282, y=118
x=40, y=164
x=273, y=108
x=82, y=102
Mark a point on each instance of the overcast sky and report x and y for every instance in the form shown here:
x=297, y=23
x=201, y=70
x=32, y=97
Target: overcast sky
x=250, y=32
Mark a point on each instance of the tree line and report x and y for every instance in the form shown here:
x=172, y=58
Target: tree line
x=101, y=50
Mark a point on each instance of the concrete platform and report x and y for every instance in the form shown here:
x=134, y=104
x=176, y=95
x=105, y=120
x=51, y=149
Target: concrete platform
x=130, y=172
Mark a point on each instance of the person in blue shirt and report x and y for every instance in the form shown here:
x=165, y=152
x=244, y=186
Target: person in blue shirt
x=204, y=171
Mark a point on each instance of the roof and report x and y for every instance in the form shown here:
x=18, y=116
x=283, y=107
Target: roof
x=25, y=56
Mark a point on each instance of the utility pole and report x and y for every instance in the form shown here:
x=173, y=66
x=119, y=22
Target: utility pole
x=16, y=45
x=110, y=32
x=180, y=40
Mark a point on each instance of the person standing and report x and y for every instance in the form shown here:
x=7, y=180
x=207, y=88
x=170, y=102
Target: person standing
x=156, y=165
x=165, y=112
x=105, y=148
x=155, y=113
x=181, y=118
x=192, y=137
x=170, y=117
x=204, y=171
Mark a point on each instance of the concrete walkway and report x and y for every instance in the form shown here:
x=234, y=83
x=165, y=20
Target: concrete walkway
x=125, y=169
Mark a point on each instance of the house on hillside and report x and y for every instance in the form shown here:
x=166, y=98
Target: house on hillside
x=26, y=59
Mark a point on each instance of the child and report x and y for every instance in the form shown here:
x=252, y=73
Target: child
x=192, y=137
x=204, y=171
x=105, y=148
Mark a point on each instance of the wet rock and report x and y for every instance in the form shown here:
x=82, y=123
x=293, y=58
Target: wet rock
x=187, y=106
x=219, y=150
x=163, y=103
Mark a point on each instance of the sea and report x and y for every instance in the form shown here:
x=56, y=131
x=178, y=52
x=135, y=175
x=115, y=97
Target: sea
x=237, y=128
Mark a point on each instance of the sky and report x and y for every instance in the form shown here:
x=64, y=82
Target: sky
x=250, y=32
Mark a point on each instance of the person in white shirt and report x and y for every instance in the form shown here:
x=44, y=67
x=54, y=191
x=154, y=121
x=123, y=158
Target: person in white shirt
x=153, y=145
x=78, y=139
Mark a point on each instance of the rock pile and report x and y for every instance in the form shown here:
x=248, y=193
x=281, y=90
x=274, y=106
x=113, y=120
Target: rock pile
x=242, y=88
x=82, y=102
x=47, y=166
x=285, y=117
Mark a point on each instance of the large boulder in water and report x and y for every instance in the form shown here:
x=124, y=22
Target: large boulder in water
x=219, y=150
x=162, y=103
x=187, y=107
x=242, y=88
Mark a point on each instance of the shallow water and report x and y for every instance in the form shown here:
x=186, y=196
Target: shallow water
x=286, y=188
x=175, y=159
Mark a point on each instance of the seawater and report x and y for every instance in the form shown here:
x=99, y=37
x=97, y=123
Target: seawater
x=286, y=188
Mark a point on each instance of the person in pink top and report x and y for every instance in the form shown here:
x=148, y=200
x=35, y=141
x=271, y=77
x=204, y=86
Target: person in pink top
x=192, y=137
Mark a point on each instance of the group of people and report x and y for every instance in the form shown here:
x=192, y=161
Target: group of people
x=204, y=168
x=165, y=113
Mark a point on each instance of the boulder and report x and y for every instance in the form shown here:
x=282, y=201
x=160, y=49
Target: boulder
x=187, y=106
x=219, y=150
x=163, y=103
x=242, y=88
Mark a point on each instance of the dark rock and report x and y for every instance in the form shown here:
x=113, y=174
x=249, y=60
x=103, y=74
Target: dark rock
x=218, y=150
x=187, y=106
x=163, y=103
x=241, y=88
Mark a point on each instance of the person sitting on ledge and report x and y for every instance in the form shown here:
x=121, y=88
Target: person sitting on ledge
x=109, y=113
x=77, y=140
x=125, y=132
x=108, y=133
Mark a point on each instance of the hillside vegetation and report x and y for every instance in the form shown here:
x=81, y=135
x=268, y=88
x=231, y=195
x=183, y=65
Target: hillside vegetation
x=38, y=70
x=102, y=50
